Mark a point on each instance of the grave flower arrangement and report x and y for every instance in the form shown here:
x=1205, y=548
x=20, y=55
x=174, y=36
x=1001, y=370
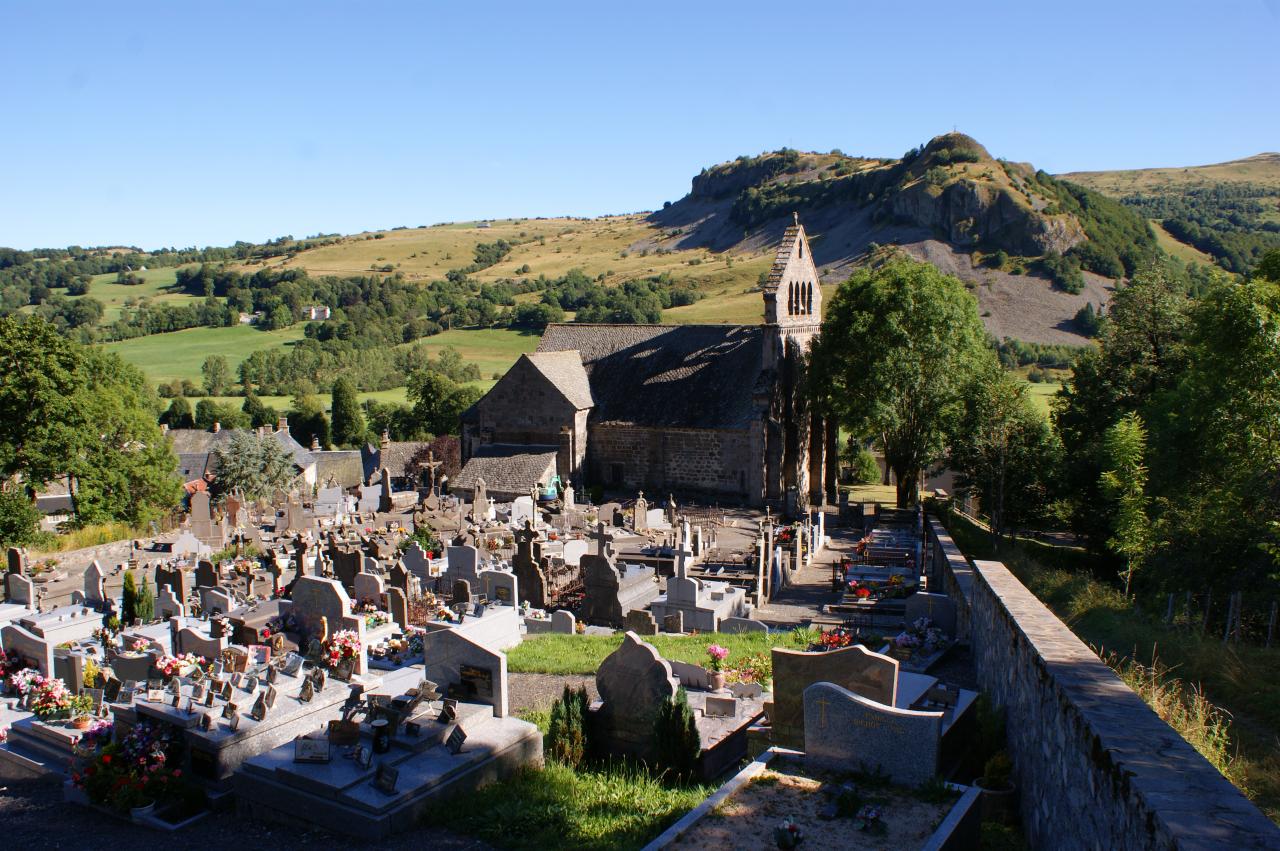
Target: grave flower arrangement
x=922, y=635
x=49, y=699
x=281, y=624
x=375, y=618
x=869, y=820
x=717, y=654
x=835, y=639
x=787, y=834
x=753, y=668
x=133, y=772
x=24, y=681
x=139, y=645
x=10, y=663
x=176, y=666
x=341, y=646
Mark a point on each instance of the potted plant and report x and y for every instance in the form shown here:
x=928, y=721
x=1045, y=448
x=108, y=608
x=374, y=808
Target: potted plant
x=717, y=655
x=787, y=834
x=80, y=709
x=998, y=790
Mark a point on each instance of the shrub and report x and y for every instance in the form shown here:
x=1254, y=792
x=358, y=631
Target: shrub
x=145, y=607
x=129, y=600
x=865, y=469
x=566, y=738
x=675, y=739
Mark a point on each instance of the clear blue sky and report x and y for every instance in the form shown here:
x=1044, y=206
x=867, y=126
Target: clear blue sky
x=166, y=124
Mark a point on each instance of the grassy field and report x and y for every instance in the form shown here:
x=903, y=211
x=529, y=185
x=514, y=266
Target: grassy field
x=157, y=288
x=577, y=654
x=1180, y=250
x=1262, y=169
x=164, y=357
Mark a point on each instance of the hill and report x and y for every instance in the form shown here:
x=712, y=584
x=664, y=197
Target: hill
x=1228, y=213
x=1034, y=249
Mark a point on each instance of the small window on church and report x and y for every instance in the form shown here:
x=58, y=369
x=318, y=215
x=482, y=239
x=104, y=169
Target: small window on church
x=801, y=247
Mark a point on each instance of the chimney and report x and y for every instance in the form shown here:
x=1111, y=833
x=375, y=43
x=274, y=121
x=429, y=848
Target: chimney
x=386, y=438
x=283, y=425
x=217, y=427
x=315, y=443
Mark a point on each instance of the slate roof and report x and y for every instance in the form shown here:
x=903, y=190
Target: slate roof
x=194, y=448
x=346, y=466
x=394, y=456
x=780, y=260
x=506, y=469
x=666, y=376
x=565, y=371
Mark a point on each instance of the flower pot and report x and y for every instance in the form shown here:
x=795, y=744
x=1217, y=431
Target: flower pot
x=81, y=722
x=716, y=680
x=137, y=814
x=999, y=804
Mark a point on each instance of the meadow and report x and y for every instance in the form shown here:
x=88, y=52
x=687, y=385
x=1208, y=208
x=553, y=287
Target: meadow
x=179, y=354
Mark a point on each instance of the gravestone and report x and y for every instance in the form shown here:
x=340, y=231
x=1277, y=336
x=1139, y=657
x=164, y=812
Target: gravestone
x=673, y=623
x=478, y=673
x=34, y=651
x=640, y=622
x=368, y=586
x=315, y=598
x=384, y=494
x=573, y=552
x=95, y=584
x=500, y=586
x=734, y=626
x=522, y=511
x=690, y=675
x=19, y=589
x=346, y=564
x=633, y=681
x=526, y=563
x=202, y=525
x=843, y=730
x=610, y=592
x=746, y=691
x=461, y=591
x=168, y=605
x=936, y=607
x=718, y=706
x=417, y=562
x=172, y=577
x=871, y=675
x=398, y=606
x=640, y=514
x=206, y=574
x=563, y=622
x=216, y=599
x=17, y=560
x=479, y=501
x=464, y=562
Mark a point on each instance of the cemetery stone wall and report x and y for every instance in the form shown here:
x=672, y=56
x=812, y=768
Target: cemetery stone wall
x=694, y=459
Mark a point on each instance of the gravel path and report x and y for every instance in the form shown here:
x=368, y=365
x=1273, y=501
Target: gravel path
x=537, y=691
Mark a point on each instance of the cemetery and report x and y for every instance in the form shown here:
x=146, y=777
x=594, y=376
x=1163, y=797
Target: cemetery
x=362, y=665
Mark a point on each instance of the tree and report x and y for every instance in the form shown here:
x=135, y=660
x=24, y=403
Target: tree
x=179, y=414
x=1124, y=481
x=217, y=375
x=897, y=348
x=307, y=421
x=19, y=519
x=129, y=600
x=1002, y=448
x=676, y=742
x=438, y=402
x=254, y=465
x=259, y=414
x=145, y=607
x=347, y=424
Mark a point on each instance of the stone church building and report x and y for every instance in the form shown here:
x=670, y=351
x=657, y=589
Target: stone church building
x=699, y=410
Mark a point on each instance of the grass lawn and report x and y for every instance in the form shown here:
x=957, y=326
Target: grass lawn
x=494, y=350
x=179, y=354
x=155, y=289
x=1242, y=679
x=582, y=654
x=610, y=808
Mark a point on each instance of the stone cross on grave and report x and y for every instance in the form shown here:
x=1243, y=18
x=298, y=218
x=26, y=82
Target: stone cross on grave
x=431, y=465
x=525, y=538
x=682, y=553
x=601, y=537
x=480, y=500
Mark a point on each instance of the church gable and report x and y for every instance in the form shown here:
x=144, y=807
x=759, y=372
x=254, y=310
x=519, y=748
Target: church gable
x=529, y=406
x=792, y=293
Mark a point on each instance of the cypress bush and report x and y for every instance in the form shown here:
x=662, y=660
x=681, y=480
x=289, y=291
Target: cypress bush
x=676, y=743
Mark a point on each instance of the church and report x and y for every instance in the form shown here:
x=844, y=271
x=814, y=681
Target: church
x=707, y=411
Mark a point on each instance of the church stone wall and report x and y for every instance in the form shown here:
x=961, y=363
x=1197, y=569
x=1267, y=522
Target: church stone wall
x=713, y=461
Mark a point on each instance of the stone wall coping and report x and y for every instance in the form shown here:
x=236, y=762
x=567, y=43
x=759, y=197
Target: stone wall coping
x=1187, y=802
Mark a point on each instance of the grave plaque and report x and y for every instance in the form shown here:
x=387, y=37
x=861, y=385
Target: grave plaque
x=456, y=738
x=155, y=695
x=477, y=682
x=208, y=697
x=307, y=691
x=385, y=780
x=206, y=721
x=413, y=729
x=344, y=732
x=292, y=665
x=96, y=695
x=229, y=710
x=269, y=696
x=308, y=750
x=259, y=654
x=363, y=756
x=111, y=690
x=234, y=724
x=448, y=710
x=721, y=707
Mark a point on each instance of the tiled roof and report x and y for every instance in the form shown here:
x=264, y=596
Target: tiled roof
x=672, y=376
x=506, y=469
x=191, y=443
x=564, y=370
x=394, y=456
